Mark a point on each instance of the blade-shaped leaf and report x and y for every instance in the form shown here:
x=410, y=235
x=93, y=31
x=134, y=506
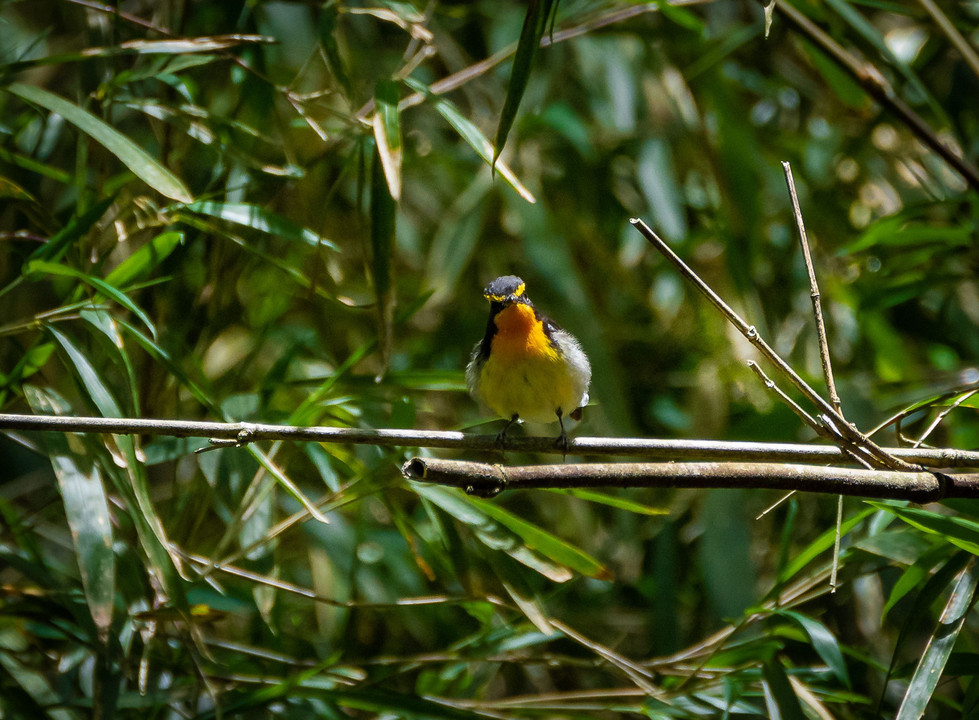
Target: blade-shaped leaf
x=780, y=697
x=620, y=503
x=258, y=218
x=56, y=246
x=932, y=663
x=129, y=153
x=383, y=230
x=89, y=376
x=823, y=643
x=531, y=33
x=472, y=135
x=958, y=531
x=526, y=543
x=86, y=509
x=142, y=262
x=387, y=134
x=49, y=268
x=820, y=545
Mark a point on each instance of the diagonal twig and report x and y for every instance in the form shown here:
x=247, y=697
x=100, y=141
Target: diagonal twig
x=829, y=413
x=817, y=308
x=824, y=359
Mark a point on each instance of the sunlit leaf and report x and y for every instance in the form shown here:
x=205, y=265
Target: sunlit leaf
x=474, y=136
x=129, y=153
x=86, y=507
x=820, y=545
x=383, y=231
x=544, y=542
x=103, y=287
x=258, y=218
x=387, y=134
x=958, y=531
x=142, y=262
x=619, y=503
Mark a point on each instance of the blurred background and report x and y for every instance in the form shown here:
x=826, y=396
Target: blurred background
x=283, y=212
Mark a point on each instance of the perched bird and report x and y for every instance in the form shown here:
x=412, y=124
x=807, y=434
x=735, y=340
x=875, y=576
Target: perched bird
x=526, y=367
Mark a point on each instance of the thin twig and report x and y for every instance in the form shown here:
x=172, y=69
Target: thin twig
x=488, y=480
x=942, y=415
x=631, y=447
x=829, y=414
x=817, y=307
x=854, y=452
x=824, y=359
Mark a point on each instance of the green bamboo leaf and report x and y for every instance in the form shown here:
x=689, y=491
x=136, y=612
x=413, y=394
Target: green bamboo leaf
x=77, y=226
x=544, y=542
x=89, y=376
x=491, y=533
x=619, y=503
x=914, y=576
x=817, y=547
x=169, y=46
x=534, y=24
x=86, y=508
x=958, y=531
x=472, y=135
x=823, y=643
x=780, y=698
x=9, y=190
x=383, y=231
x=142, y=262
x=526, y=543
x=932, y=664
x=926, y=595
x=331, y=49
x=28, y=364
x=858, y=22
x=50, y=268
x=258, y=218
x=172, y=366
x=387, y=134
x=129, y=153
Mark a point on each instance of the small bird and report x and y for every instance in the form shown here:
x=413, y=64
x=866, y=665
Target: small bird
x=526, y=367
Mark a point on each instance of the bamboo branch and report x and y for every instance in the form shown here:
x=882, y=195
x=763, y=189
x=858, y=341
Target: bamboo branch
x=243, y=433
x=489, y=480
x=829, y=415
x=823, y=343
x=817, y=307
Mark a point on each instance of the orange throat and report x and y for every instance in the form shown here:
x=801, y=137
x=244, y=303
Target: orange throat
x=520, y=334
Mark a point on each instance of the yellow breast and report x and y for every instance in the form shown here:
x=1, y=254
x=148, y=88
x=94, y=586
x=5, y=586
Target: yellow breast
x=525, y=375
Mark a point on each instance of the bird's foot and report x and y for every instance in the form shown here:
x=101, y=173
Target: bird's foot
x=501, y=436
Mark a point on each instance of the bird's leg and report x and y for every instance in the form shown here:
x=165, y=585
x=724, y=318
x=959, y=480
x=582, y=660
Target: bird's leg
x=501, y=436
x=562, y=439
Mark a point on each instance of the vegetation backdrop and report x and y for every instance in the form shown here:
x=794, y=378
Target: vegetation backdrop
x=285, y=212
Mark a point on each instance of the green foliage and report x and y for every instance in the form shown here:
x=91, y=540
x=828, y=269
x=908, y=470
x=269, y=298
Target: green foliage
x=284, y=212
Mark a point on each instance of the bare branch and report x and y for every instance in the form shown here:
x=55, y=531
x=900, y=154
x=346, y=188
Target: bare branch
x=243, y=433
x=488, y=480
x=829, y=415
x=817, y=307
